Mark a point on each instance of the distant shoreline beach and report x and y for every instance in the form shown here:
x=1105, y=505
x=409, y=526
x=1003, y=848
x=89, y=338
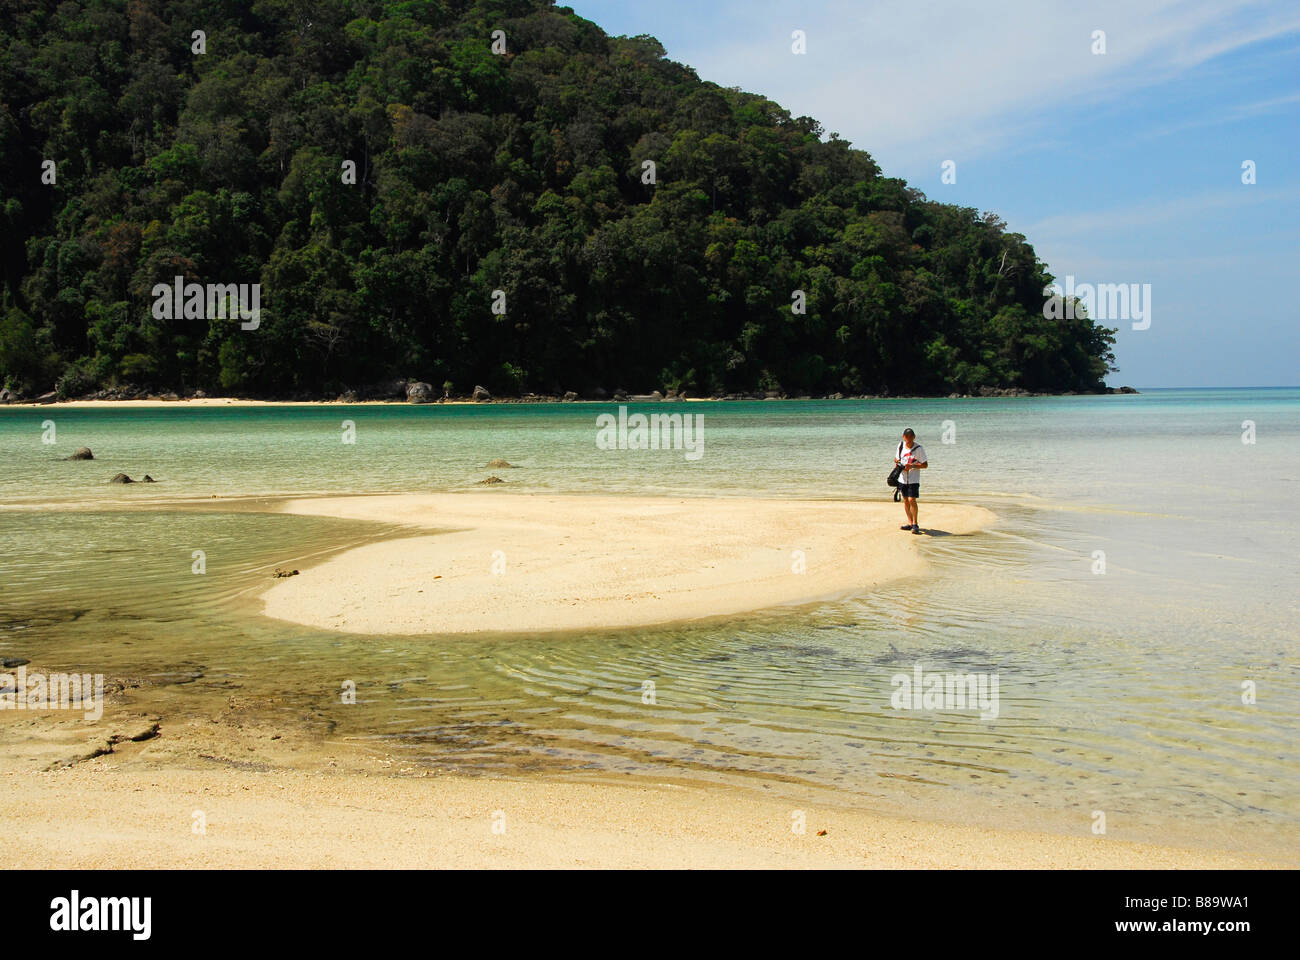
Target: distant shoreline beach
x=206, y=401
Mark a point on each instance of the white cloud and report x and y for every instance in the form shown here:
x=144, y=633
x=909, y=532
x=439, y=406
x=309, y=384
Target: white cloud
x=912, y=82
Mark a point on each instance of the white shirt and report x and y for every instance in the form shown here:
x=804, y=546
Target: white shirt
x=915, y=455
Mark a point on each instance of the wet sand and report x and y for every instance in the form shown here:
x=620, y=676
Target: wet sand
x=208, y=792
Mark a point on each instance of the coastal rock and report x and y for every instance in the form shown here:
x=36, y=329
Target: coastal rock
x=598, y=393
x=5, y=395
x=620, y=394
x=348, y=396
x=121, y=478
x=419, y=392
x=480, y=393
x=83, y=453
x=1127, y=390
x=169, y=397
x=280, y=573
x=499, y=464
x=200, y=395
x=148, y=479
x=491, y=480
x=9, y=662
x=570, y=396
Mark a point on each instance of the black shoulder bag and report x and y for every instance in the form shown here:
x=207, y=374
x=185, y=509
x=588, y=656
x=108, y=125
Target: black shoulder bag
x=892, y=479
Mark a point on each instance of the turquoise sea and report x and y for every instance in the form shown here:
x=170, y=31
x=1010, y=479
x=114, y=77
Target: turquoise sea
x=1121, y=691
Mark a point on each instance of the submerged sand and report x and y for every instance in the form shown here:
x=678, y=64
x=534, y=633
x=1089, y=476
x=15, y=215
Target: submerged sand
x=503, y=561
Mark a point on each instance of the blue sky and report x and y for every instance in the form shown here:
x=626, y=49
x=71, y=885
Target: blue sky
x=1123, y=167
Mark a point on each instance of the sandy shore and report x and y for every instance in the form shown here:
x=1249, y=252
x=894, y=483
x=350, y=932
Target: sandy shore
x=507, y=562
x=238, y=402
x=211, y=402
x=226, y=792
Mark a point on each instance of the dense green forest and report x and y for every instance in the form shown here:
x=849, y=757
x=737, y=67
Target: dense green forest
x=475, y=171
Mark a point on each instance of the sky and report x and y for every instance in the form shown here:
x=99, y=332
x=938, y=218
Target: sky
x=1119, y=167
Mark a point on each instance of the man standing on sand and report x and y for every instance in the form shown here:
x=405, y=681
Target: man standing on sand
x=911, y=457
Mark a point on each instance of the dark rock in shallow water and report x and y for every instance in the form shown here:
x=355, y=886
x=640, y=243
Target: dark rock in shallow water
x=480, y=393
x=281, y=573
x=83, y=453
x=148, y=479
x=498, y=464
x=121, y=478
x=11, y=662
x=491, y=480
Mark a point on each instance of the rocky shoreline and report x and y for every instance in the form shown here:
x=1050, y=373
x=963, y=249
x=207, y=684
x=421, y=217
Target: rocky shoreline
x=416, y=391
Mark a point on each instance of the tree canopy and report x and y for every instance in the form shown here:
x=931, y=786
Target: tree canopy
x=476, y=171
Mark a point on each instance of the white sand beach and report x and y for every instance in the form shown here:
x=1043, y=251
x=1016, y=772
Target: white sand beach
x=503, y=561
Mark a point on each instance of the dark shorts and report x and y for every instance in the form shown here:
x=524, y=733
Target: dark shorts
x=912, y=490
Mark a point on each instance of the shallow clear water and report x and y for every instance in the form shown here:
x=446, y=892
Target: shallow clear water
x=1119, y=691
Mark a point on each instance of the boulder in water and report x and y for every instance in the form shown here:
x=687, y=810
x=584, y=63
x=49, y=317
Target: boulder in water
x=491, y=480
x=83, y=453
x=499, y=465
x=121, y=478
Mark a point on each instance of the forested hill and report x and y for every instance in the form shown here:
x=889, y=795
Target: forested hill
x=522, y=172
